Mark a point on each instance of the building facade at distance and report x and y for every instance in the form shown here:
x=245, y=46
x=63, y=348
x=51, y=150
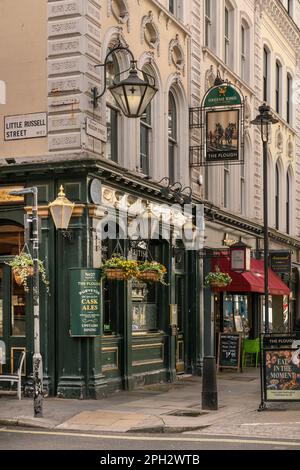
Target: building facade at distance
x=53, y=133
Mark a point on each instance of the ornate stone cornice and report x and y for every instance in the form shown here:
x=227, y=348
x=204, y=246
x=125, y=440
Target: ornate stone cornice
x=283, y=21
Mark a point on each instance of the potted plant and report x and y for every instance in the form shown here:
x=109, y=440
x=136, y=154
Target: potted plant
x=217, y=279
x=152, y=271
x=22, y=267
x=119, y=269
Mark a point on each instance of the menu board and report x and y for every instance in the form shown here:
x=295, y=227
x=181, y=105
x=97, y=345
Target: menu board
x=282, y=367
x=229, y=351
x=85, y=296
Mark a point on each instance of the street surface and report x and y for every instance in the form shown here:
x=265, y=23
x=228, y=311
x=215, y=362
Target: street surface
x=28, y=439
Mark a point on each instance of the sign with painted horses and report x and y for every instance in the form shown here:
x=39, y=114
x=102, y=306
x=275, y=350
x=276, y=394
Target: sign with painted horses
x=223, y=110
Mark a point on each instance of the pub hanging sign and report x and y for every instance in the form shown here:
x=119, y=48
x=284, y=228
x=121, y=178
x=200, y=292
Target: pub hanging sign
x=223, y=126
x=85, y=302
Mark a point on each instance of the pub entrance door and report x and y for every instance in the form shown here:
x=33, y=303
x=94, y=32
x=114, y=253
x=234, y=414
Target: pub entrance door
x=12, y=300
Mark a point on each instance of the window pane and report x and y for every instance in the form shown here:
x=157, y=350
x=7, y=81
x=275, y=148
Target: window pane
x=112, y=134
x=144, y=149
x=1, y=301
x=18, y=314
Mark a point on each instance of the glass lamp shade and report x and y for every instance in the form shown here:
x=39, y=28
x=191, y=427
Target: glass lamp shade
x=264, y=120
x=189, y=235
x=61, y=210
x=133, y=94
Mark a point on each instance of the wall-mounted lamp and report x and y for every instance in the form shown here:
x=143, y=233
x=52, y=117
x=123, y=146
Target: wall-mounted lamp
x=61, y=210
x=177, y=191
x=132, y=94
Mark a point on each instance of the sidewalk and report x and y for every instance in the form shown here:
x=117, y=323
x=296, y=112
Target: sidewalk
x=165, y=408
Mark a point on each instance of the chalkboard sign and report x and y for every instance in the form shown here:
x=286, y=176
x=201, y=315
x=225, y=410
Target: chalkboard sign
x=229, y=351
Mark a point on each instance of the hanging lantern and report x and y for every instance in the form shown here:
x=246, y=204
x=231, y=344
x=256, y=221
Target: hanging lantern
x=240, y=257
x=61, y=210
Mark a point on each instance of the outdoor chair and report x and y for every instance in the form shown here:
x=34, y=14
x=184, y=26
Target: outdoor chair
x=16, y=377
x=251, y=346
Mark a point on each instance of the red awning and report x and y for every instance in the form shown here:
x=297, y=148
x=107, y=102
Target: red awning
x=250, y=281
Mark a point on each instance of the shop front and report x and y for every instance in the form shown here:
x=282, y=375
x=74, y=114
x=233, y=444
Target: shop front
x=239, y=307
x=149, y=330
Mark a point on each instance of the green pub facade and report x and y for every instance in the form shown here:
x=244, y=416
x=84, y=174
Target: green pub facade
x=96, y=335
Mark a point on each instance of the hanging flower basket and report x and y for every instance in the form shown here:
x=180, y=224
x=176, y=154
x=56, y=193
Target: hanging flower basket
x=20, y=273
x=152, y=271
x=151, y=276
x=217, y=279
x=118, y=268
x=22, y=268
x=115, y=274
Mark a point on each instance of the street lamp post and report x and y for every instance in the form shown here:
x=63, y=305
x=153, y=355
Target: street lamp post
x=264, y=120
x=37, y=357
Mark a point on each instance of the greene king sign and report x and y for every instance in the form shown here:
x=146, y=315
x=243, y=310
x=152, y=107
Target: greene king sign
x=223, y=109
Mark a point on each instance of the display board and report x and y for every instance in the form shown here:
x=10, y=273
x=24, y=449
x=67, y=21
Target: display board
x=229, y=351
x=85, y=302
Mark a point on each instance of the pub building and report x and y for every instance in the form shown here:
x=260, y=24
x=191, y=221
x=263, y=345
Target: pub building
x=142, y=338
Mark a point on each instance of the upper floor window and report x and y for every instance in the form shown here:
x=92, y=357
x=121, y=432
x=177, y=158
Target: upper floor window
x=112, y=113
x=228, y=34
x=288, y=202
x=242, y=194
x=245, y=55
x=172, y=137
x=208, y=23
x=278, y=77
x=266, y=56
x=289, y=88
x=175, y=7
x=277, y=196
x=145, y=140
x=226, y=185
x=112, y=123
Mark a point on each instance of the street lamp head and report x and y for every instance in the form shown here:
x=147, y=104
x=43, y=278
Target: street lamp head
x=133, y=94
x=264, y=120
x=61, y=210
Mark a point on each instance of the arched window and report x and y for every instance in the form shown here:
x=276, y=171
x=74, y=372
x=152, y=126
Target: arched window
x=289, y=91
x=226, y=185
x=266, y=74
x=242, y=190
x=112, y=112
x=229, y=34
x=288, y=202
x=277, y=196
x=245, y=51
x=278, y=83
x=208, y=22
x=146, y=122
x=172, y=136
x=145, y=140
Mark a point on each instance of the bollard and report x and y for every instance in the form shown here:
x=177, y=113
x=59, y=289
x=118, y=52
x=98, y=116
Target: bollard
x=209, y=384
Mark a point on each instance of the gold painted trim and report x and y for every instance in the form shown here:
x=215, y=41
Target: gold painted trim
x=12, y=368
x=43, y=211
x=143, y=346
x=107, y=367
x=78, y=210
x=144, y=363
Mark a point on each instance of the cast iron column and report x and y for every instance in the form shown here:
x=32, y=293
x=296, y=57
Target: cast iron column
x=37, y=358
x=266, y=234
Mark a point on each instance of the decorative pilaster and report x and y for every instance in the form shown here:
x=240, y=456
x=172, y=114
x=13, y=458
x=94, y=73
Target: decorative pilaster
x=74, y=33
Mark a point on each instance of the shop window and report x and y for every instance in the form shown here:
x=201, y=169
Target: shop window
x=145, y=296
x=236, y=314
